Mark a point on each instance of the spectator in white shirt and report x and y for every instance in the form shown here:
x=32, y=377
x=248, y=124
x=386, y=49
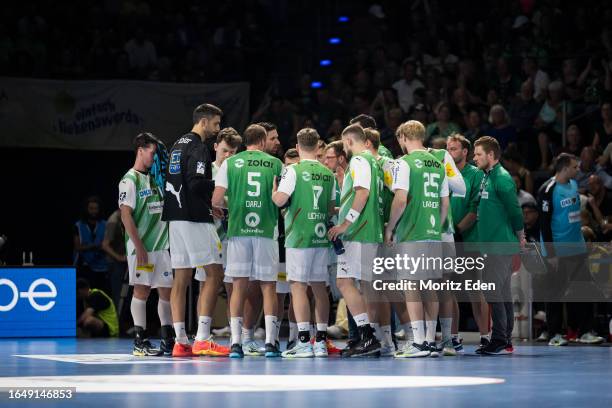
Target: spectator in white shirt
x=141, y=52
x=405, y=87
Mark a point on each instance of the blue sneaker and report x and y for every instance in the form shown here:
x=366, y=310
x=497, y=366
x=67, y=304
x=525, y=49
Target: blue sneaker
x=272, y=351
x=236, y=351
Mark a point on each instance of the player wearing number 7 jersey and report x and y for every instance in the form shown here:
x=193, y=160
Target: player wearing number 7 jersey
x=310, y=185
x=252, y=250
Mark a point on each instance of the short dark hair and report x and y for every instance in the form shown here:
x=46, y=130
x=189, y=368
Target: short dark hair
x=267, y=125
x=292, y=154
x=366, y=121
x=563, y=160
x=206, y=110
x=356, y=130
x=373, y=136
x=143, y=140
x=308, y=139
x=489, y=144
x=230, y=136
x=254, y=134
x=338, y=148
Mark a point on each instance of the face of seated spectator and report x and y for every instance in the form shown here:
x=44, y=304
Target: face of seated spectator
x=409, y=72
x=473, y=120
x=443, y=113
x=498, y=116
x=527, y=91
x=394, y=118
x=555, y=92
x=502, y=68
x=573, y=136
x=460, y=97
x=587, y=158
x=492, y=97
x=530, y=215
x=596, y=186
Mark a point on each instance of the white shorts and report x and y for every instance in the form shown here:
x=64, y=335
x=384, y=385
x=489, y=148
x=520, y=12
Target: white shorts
x=357, y=260
x=430, y=254
x=200, y=274
x=448, y=247
x=160, y=277
x=307, y=264
x=255, y=258
x=282, y=285
x=193, y=244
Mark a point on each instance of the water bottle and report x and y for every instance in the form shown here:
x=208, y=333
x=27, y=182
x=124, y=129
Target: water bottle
x=337, y=243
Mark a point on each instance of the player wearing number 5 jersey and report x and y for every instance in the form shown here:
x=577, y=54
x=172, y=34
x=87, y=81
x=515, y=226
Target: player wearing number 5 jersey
x=418, y=211
x=361, y=231
x=252, y=252
x=310, y=185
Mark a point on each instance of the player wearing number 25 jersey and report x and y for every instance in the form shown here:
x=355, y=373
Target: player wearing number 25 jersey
x=252, y=251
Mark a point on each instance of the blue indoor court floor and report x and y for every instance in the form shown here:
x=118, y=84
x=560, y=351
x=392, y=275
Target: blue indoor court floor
x=106, y=375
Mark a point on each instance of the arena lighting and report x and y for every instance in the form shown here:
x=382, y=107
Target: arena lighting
x=325, y=63
x=343, y=19
x=316, y=85
x=335, y=40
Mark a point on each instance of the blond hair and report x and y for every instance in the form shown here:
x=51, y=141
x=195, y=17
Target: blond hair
x=411, y=130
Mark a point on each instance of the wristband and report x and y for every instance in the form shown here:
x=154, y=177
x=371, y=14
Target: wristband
x=352, y=216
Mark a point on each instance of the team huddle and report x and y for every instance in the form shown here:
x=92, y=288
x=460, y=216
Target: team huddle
x=328, y=210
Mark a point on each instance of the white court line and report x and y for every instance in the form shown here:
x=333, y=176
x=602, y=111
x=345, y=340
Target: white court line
x=109, y=359
x=238, y=383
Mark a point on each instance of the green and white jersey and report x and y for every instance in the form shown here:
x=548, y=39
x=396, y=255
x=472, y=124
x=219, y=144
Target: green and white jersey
x=384, y=152
x=423, y=177
x=456, y=184
x=218, y=223
x=311, y=187
x=386, y=198
x=247, y=178
x=140, y=192
x=363, y=172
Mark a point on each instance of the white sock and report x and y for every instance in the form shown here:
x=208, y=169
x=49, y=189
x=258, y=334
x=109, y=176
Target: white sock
x=270, y=328
x=322, y=327
x=293, y=331
x=247, y=334
x=446, y=324
x=303, y=327
x=236, y=328
x=203, y=328
x=484, y=336
x=181, y=334
x=408, y=332
x=361, y=319
x=430, y=333
x=279, y=323
x=386, y=333
x=377, y=331
x=139, y=312
x=165, y=312
x=418, y=330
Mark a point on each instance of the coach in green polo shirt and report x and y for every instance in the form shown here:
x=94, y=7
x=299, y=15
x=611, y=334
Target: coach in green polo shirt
x=500, y=231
